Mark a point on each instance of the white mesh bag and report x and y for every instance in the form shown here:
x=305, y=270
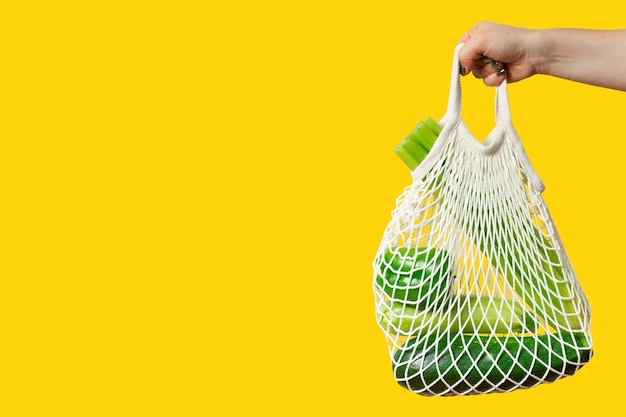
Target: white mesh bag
x=473, y=288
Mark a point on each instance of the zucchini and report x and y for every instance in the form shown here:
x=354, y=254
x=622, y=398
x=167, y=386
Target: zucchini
x=455, y=364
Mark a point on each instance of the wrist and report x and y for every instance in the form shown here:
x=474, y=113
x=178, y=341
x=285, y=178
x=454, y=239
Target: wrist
x=541, y=51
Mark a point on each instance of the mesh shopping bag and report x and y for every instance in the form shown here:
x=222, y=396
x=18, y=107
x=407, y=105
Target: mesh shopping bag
x=473, y=288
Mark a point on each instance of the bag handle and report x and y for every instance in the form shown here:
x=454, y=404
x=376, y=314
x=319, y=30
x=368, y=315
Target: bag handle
x=453, y=112
x=502, y=115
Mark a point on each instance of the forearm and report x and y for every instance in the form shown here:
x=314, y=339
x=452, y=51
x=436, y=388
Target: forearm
x=596, y=57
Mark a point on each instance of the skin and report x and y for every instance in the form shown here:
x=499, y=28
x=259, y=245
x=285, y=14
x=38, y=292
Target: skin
x=595, y=57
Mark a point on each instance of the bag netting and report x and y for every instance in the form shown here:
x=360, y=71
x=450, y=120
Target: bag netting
x=473, y=288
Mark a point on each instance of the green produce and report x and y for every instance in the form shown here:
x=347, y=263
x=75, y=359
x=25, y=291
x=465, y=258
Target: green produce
x=420, y=276
x=433, y=126
x=480, y=364
x=467, y=314
x=414, y=148
x=544, y=288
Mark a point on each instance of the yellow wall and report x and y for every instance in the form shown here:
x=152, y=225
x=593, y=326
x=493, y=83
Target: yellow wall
x=193, y=196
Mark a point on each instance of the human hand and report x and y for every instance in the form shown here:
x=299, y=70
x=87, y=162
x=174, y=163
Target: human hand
x=494, y=52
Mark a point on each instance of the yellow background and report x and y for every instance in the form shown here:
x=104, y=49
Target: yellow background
x=193, y=194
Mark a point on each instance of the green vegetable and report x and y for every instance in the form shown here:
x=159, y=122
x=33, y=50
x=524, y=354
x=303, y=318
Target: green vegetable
x=453, y=363
x=467, y=314
x=414, y=148
x=420, y=276
x=433, y=126
x=481, y=364
x=544, y=289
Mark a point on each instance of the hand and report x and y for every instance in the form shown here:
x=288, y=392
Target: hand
x=494, y=52
x=595, y=57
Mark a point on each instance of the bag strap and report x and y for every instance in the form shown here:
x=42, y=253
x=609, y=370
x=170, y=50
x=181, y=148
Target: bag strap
x=503, y=121
x=453, y=112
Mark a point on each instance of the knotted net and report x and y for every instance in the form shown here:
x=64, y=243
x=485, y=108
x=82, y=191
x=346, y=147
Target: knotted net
x=473, y=288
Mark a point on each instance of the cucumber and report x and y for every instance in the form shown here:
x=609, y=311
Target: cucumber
x=455, y=364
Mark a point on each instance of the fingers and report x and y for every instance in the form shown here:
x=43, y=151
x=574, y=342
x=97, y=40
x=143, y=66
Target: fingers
x=486, y=66
x=474, y=56
x=470, y=54
x=466, y=37
x=495, y=78
x=491, y=72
